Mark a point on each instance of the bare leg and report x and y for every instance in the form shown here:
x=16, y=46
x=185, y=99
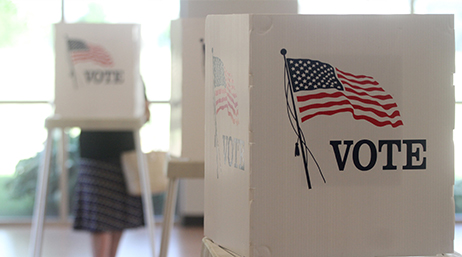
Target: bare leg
x=105, y=243
x=116, y=235
x=101, y=244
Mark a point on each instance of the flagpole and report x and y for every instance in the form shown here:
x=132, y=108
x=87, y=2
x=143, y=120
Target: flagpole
x=217, y=149
x=71, y=64
x=299, y=130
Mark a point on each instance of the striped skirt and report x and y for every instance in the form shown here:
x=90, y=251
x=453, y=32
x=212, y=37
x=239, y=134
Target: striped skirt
x=101, y=199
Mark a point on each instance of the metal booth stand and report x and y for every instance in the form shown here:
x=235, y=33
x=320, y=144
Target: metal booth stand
x=52, y=123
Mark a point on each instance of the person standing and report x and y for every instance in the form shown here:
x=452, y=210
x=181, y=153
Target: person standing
x=102, y=206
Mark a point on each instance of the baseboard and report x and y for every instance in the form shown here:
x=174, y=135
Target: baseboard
x=192, y=221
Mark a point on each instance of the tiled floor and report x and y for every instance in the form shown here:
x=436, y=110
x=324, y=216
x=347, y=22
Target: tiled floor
x=61, y=241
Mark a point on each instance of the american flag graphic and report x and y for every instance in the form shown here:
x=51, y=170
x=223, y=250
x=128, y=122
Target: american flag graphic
x=83, y=52
x=225, y=92
x=322, y=89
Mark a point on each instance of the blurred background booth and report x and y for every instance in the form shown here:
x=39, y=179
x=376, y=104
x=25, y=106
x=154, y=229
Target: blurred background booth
x=188, y=83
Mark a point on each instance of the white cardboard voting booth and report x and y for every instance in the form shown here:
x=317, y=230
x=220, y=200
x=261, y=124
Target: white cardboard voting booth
x=97, y=87
x=187, y=107
x=330, y=135
x=188, y=84
x=98, y=59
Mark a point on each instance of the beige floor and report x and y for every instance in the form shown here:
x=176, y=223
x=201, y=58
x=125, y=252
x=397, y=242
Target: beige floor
x=61, y=241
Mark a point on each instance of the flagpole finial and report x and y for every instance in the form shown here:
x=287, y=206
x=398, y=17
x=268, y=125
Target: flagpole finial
x=283, y=51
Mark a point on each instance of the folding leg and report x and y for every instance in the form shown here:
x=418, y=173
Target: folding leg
x=169, y=213
x=63, y=177
x=40, y=199
x=146, y=192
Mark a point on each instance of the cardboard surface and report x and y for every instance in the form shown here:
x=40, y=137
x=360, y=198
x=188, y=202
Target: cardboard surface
x=379, y=150
x=188, y=83
x=228, y=196
x=187, y=113
x=187, y=109
x=97, y=71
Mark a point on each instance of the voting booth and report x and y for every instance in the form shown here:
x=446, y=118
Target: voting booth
x=97, y=71
x=98, y=87
x=187, y=36
x=329, y=135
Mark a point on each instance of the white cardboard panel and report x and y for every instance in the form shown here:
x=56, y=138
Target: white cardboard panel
x=188, y=66
x=187, y=120
x=393, y=197
x=228, y=189
x=97, y=71
x=187, y=109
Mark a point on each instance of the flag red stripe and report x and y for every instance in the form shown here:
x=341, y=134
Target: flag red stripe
x=355, y=116
x=361, y=82
x=304, y=98
x=227, y=106
x=224, y=95
x=380, y=97
x=233, y=114
x=77, y=59
x=346, y=102
x=224, y=103
x=368, y=89
x=94, y=53
x=353, y=75
x=223, y=90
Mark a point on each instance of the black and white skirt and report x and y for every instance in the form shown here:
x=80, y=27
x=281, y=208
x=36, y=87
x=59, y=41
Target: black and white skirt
x=102, y=203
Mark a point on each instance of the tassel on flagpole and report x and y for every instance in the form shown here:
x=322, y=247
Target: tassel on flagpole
x=297, y=151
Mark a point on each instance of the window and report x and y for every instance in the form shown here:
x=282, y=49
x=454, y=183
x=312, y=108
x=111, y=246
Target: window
x=27, y=88
x=354, y=7
x=27, y=64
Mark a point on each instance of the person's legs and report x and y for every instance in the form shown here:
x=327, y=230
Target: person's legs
x=105, y=244
x=101, y=243
x=116, y=235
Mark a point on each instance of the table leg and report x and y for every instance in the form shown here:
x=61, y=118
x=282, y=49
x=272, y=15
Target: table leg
x=146, y=192
x=64, y=178
x=40, y=199
x=169, y=214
